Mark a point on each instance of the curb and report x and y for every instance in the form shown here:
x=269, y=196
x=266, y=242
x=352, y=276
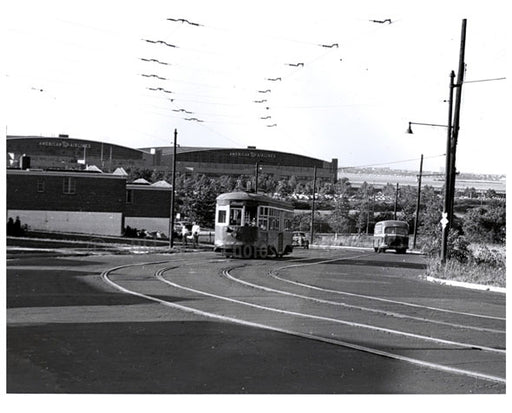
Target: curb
x=326, y=247
x=462, y=284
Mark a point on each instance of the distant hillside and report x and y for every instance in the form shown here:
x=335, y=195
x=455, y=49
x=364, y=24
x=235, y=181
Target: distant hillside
x=381, y=176
x=408, y=172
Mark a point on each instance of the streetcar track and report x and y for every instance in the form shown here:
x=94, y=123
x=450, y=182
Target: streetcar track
x=369, y=297
x=356, y=307
x=159, y=273
x=435, y=366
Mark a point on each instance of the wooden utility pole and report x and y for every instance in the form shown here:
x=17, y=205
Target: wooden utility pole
x=312, y=233
x=396, y=200
x=448, y=182
x=171, y=217
x=456, y=118
x=256, y=173
x=417, y=216
x=453, y=134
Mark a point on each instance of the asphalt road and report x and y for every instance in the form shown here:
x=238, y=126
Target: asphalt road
x=318, y=322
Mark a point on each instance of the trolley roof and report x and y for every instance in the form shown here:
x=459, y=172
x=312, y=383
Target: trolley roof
x=250, y=196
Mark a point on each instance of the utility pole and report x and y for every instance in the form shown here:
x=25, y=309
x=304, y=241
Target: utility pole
x=417, y=216
x=256, y=172
x=456, y=117
x=312, y=233
x=171, y=217
x=396, y=199
x=448, y=182
x=453, y=133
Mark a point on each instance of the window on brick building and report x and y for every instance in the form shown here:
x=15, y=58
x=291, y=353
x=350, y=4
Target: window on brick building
x=129, y=196
x=69, y=186
x=40, y=185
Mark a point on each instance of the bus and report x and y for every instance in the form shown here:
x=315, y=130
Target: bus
x=250, y=225
x=391, y=235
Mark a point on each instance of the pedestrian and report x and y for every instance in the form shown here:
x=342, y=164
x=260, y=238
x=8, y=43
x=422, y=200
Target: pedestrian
x=184, y=234
x=17, y=227
x=195, y=234
x=10, y=227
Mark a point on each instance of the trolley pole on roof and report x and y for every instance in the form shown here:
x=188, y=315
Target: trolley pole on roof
x=171, y=217
x=313, y=207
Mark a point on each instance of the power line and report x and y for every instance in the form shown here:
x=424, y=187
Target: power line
x=391, y=163
x=484, y=80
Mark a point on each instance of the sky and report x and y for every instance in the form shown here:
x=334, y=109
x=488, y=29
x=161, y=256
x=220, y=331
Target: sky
x=327, y=79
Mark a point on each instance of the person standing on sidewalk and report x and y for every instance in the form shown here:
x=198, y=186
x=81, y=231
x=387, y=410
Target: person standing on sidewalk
x=195, y=235
x=184, y=234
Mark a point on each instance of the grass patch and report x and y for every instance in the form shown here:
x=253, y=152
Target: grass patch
x=483, y=265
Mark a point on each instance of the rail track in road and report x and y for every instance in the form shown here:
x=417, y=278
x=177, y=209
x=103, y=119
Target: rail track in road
x=321, y=297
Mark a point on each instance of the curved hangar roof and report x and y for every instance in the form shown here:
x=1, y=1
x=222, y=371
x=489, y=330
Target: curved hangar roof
x=64, y=146
x=238, y=155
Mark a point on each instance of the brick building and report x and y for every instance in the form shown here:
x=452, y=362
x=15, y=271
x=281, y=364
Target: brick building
x=148, y=207
x=67, y=201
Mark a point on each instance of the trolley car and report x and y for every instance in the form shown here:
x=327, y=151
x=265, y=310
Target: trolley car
x=251, y=225
x=392, y=235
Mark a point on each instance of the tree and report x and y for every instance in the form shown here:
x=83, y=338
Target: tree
x=408, y=197
x=490, y=193
x=340, y=220
x=343, y=187
x=199, y=202
x=430, y=213
x=470, y=192
x=364, y=205
x=283, y=188
x=486, y=223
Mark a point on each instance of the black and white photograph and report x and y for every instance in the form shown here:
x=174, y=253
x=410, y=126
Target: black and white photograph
x=301, y=204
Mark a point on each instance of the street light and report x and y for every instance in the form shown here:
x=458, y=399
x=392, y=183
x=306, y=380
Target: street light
x=450, y=172
x=448, y=194
x=409, y=129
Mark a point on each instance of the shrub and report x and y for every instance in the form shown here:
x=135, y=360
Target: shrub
x=458, y=247
x=480, y=265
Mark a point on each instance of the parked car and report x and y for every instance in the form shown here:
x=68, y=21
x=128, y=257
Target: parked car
x=299, y=240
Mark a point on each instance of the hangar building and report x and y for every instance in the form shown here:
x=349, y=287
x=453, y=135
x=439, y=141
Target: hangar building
x=65, y=153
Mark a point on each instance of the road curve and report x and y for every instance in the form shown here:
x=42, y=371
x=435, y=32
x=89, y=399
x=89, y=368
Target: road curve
x=324, y=297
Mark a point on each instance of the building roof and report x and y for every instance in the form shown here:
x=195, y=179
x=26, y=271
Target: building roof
x=120, y=171
x=66, y=141
x=162, y=184
x=141, y=181
x=168, y=150
x=93, y=168
x=63, y=172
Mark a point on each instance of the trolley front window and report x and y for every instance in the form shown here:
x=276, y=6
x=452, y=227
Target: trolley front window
x=235, y=216
x=221, y=217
